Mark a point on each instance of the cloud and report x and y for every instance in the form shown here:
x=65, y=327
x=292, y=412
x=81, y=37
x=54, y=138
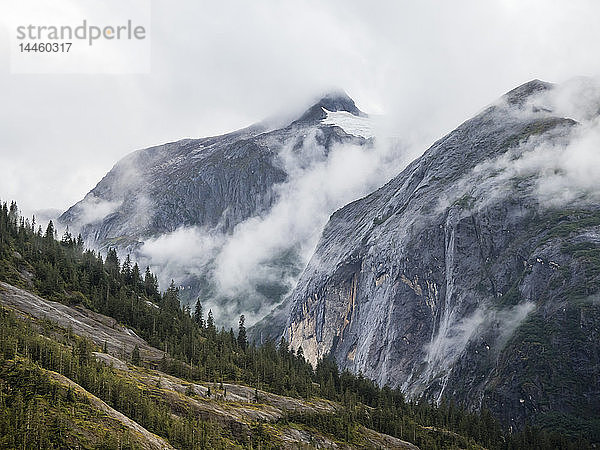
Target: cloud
x=182, y=252
x=454, y=334
x=94, y=209
x=318, y=185
x=452, y=338
x=272, y=249
x=577, y=98
x=567, y=175
x=561, y=166
x=456, y=331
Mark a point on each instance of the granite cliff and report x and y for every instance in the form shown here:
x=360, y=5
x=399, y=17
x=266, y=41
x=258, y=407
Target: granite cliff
x=475, y=273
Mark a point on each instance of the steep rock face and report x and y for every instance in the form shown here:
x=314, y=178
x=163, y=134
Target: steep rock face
x=461, y=277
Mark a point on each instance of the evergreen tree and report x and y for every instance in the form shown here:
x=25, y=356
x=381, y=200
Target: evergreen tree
x=79, y=243
x=171, y=297
x=49, y=235
x=126, y=270
x=198, y=314
x=210, y=324
x=242, y=339
x=136, y=278
x=135, y=356
x=150, y=283
x=67, y=238
x=300, y=354
x=13, y=216
x=112, y=263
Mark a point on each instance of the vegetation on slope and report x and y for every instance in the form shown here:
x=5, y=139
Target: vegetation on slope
x=64, y=271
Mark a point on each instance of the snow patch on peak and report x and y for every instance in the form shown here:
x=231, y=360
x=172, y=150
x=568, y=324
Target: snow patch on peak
x=351, y=124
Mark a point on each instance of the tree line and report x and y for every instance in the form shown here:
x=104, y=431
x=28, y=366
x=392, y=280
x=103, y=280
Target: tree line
x=198, y=350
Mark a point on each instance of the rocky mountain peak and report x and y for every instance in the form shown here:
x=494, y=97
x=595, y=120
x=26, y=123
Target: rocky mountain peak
x=333, y=101
x=519, y=95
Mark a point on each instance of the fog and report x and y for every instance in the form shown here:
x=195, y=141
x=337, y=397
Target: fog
x=273, y=248
x=563, y=165
x=456, y=332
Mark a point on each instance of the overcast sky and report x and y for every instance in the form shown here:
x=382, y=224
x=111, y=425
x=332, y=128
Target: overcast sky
x=218, y=66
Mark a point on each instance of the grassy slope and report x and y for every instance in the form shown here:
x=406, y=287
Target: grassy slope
x=240, y=414
x=52, y=411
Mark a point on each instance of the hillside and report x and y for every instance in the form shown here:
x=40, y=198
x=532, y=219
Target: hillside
x=237, y=413
x=211, y=389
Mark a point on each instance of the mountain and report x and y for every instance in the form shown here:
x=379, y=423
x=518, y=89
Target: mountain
x=188, y=208
x=215, y=182
x=110, y=362
x=475, y=273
